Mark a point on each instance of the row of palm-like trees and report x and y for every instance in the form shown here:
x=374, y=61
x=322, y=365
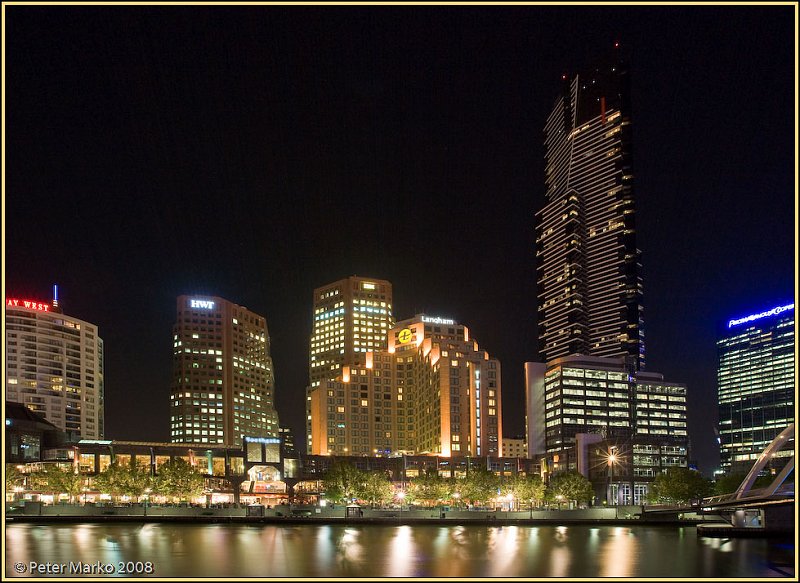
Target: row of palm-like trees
x=175, y=479
x=345, y=483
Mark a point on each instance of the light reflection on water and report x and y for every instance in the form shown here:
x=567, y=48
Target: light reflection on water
x=308, y=550
x=619, y=554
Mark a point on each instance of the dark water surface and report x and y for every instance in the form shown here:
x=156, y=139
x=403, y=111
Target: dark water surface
x=307, y=550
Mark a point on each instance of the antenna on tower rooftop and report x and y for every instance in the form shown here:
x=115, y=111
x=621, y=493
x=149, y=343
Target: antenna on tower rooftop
x=55, y=298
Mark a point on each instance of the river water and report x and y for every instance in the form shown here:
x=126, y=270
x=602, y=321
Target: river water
x=315, y=550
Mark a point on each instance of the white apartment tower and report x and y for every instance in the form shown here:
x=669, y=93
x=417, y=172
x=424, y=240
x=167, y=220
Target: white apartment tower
x=54, y=366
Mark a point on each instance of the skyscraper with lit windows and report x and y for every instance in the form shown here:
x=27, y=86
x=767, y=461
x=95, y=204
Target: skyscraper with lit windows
x=589, y=394
x=351, y=317
x=453, y=387
x=588, y=271
x=580, y=406
x=54, y=366
x=432, y=391
x=590, y=382
x=756, y=383
x=223, y=379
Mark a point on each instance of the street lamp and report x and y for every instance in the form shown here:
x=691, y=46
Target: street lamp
x=456, y=496
x=612, y=459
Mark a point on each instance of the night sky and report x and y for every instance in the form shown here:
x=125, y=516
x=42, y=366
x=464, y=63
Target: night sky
x=257, y=152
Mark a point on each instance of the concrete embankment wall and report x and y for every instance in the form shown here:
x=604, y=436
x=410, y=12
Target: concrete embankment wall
x=34, y=512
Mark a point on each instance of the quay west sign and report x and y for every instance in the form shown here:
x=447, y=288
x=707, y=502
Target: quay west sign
x=204, y=304
x=38, y=306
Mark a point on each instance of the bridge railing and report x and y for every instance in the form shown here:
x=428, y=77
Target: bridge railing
x=745, y=491
x=757, y=494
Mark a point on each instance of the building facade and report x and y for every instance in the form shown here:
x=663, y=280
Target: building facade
x=756, y=383
x=402, y=469
x=432, y=392
x=588, y=272
x=362, y=412
x=223, y=380
x=351, y=317
x=515, y=447
x=54, y=366
x=605, y=397
x=622, y=471
x=28, y=434
x=455, y=387
x=251, y=473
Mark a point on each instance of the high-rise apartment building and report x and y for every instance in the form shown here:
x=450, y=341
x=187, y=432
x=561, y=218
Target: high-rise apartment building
x=588, y=273
x=223, y=380
x=351, y=317
x=433, y=391
x=756, y=383
x=54, y=366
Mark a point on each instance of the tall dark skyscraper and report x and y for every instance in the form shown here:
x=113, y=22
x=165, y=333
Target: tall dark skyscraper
x=590, y=386
x=588, y=273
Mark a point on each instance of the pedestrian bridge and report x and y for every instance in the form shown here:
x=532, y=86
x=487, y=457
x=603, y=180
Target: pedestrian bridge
x=754, y=510
x=779, y=489
x=767, y=508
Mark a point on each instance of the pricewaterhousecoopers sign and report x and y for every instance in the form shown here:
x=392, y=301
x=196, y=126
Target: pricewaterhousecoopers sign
x=773, y=312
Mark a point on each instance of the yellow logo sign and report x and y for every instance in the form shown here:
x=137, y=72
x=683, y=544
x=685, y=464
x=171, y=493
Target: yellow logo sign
x=404, y=336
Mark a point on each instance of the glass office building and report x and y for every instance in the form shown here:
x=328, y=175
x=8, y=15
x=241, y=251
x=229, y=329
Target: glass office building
x=756, y=383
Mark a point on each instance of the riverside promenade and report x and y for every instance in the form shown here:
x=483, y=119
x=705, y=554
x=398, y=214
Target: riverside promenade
x=36, y=513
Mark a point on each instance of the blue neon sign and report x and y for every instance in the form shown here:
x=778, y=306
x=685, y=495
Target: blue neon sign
x=773, y=312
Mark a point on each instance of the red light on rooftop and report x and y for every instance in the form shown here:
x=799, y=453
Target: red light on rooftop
x=616, y=45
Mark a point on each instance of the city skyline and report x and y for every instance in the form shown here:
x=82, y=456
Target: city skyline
x=329, y=142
